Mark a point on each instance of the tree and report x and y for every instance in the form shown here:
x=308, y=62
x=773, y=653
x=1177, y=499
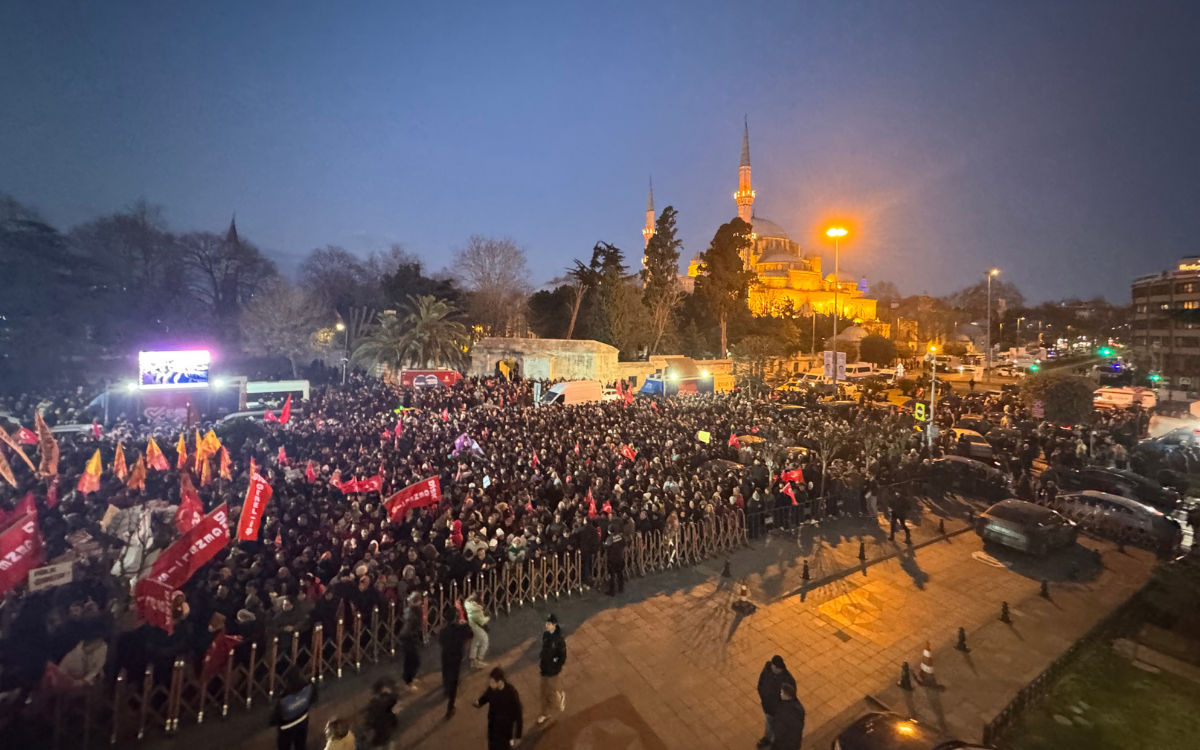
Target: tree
x=972, y=300
x=877, y=350
x=1066, y=399
x=337, y=276
x=758, y=355
x=546, y=308
x=495, y=273
x=661, y=293
x=724, y=279
x=402, y=275
x=427, y=335
x=281, y=320
x=226, y=271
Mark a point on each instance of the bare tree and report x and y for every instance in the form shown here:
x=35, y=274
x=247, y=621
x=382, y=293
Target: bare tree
x=494, y=271
x=281, y=320
x=226, y=272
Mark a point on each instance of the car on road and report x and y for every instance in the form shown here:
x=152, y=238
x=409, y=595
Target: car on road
x=1179, y=438
x=971, y=477
x=889, y=731
x=972, y=444
x=1114, y=481
x=1026, y=527
x=975, y=423
x=1101, y=511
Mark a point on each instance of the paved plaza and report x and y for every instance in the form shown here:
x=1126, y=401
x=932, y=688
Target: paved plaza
x=669, y=664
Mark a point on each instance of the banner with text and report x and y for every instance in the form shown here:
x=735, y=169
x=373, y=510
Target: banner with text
x=20, y=551
x=257, y=496
x=425, y=492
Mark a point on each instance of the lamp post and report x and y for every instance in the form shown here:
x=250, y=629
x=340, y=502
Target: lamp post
x=837, y=233
x=932, y=425
x=987, y=367
x=345, y=350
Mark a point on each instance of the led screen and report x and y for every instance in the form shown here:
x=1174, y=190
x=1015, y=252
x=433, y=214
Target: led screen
x=186, y=369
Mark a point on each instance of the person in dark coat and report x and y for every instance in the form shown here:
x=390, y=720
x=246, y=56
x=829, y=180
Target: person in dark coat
x=453, y=639
x=774, y=676
x=291, y=711
x=410, y=640
x=550, y=664
x=789, y=720
x=504, y=712
x=379, y=717
x=615, y=552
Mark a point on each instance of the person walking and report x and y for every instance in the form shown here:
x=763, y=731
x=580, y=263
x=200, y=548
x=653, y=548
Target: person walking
x=478, y=623
x=789, y=720
x=291, y=711
x=774, y=676
x=453, y=638
x=615, y=552
x=505, y=715
x=379, y=722
x=553, y=657
x=410, y=640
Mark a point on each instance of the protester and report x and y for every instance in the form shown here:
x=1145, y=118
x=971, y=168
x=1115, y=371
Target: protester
x=453, y=639
x=379, y=717
x=478, y=621
x=550, y=664
x=788, y=724
x=504, y=711
x=291, y=711
x=773, y=677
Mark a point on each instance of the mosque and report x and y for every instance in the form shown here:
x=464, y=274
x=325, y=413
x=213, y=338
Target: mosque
x=788, y=279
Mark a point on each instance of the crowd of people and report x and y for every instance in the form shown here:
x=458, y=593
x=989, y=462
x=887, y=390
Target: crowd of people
x=518, y=482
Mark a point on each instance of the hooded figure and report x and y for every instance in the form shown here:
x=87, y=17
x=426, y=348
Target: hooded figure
x=550, y=664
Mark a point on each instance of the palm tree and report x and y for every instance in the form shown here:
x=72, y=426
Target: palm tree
x=427, y=335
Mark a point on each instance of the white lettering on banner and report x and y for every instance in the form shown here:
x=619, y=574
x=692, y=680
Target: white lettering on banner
x=21, y=550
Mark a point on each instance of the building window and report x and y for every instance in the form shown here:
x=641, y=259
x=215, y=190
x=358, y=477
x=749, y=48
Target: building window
x=1139, y=340
x=1187, y=342
x=1187, y=287
x=1140, y=308
x=1164, y=305
x=1189, y=305
x=1141, y=291
x=1160, y=290
x=1156, y=340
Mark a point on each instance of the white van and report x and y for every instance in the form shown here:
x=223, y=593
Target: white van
x=574, y=392
x=859, y=370
x=1121, y=398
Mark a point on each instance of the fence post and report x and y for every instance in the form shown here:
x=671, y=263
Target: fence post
x=357, y=641
x=392, y=629
x=147, y=687
x=250, y=674
x=272, y=663
x=337, y=652
x=228, y=685
x=175, y=694
x=117, y=705
x=318, y=653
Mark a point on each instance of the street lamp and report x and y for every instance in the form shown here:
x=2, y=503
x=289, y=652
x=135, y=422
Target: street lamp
x=932, y=424
x=987, y=367
x=837, y=233
x=346, y=350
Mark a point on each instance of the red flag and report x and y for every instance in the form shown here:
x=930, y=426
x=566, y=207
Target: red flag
x=535, y=460
x=501, y=399
x=189, y=513
x=269, y=416
x=286, y=413
x=281, y=457
x=794, y=475
x=97, y=431
x=423, y=493
x=52, y=492
x=278, y=540
x=154, y=600
x=27, y=505
x=26, y=436
x=217, y=655
x=654, y=405
x=20, y=551
x=733, y=441
x=154, y=456
x=576, y=447
x=371, y=484
x=528, y=506
x=399, y=428
x=607, y=508
x=89, y=480
x=445, y=415
x=628, y=396
x=591, y=504
x=187, y=554
x=787, y=490
x=226, y=470
x=257, y=496
x=137, y=477
x=628, y=452
x=310, y=475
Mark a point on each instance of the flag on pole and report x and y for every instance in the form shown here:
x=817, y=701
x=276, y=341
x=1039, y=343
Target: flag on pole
x=137, y=477
x=654, y=405
x=191, y=510
x=212, y=443
x=793, y=475
x=576, y=447
x=180, y=452
x=119, y=469
x=226, y=470
x=607, y=507
x=8, y=440
x=628, y=452
x=591, y=504
x=733, y=440
x=445, y=415
x=154, y=456
x=270, y=416
x=97, y=430
x=399, y=428
x=202, y=451
x=787, y=490
x=26, y=436
x=286, y=413
x=47, y=447
x=310, y=475
x=205, y=473
x=534, y=463
x=89, y=481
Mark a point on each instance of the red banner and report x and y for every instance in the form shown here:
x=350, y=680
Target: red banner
x=425, y=492
x=190, y=551
x=154, y=604
x=252, y=511
x=20, y=551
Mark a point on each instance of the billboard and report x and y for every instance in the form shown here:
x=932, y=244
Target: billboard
x=179, y=369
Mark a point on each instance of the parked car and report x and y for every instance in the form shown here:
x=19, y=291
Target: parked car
x=889, y=731
x=1026, y=527
x=971, y=477
x=1114, y=481
x=1101, y=511
x=972, y=443
x=975, y=423
x=1182, y=437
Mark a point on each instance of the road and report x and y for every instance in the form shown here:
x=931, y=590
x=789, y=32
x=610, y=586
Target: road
x=668, y=664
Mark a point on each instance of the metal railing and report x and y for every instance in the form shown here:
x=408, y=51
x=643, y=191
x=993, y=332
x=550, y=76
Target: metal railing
x=126, y=709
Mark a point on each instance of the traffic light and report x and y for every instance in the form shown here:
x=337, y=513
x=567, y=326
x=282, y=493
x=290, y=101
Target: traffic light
x=1105, y=351
x=1155, y=377
x=1035, y=367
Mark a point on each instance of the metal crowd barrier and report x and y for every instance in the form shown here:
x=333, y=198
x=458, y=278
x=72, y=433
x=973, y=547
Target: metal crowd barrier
x=125, y=710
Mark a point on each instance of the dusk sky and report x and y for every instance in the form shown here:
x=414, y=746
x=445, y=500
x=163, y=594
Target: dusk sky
x=1058, y=141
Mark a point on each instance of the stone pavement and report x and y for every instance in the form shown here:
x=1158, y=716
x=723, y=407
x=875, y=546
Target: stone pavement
x=668, y=664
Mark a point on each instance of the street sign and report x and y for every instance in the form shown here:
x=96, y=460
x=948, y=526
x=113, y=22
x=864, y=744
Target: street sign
x=1038, y=409
x=919, y=411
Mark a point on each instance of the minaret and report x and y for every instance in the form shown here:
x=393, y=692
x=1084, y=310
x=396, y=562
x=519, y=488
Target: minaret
x=745, y=194
x=648, y=232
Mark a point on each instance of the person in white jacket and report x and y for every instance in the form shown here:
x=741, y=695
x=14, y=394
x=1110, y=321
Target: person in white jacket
x=478, y=621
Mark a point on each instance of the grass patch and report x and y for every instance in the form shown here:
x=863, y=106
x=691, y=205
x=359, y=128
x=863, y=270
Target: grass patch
x=1122, y=708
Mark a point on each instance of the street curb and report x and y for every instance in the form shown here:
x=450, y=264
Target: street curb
x=825, y=580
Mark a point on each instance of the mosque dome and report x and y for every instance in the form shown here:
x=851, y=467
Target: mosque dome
x=767, y=228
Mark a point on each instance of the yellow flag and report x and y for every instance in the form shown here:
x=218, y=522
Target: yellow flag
x=201, y=449
x=181, y=451
x=89, y=481
x=120, y=470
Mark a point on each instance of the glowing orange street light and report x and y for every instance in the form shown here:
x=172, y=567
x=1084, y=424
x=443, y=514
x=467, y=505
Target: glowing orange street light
x=837, y=233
